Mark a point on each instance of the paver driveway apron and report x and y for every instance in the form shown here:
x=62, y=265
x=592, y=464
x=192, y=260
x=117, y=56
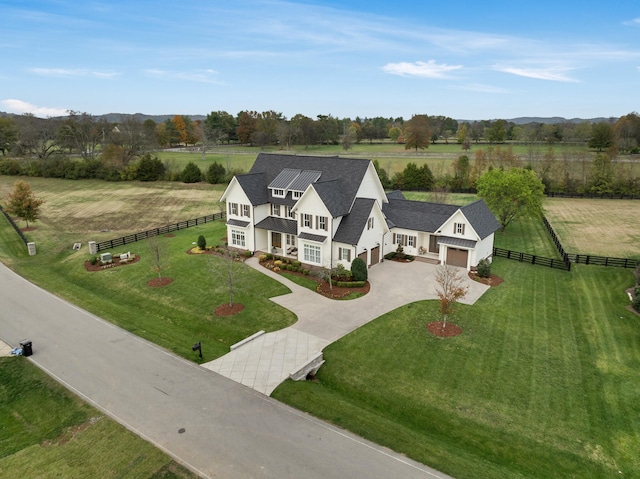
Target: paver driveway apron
x=265, y=362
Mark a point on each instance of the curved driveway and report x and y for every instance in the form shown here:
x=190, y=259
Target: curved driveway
x=265, y=362
x=229, y=431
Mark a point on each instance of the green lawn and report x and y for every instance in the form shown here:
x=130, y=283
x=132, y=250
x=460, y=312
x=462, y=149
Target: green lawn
x=543, y=382
x=48, y=432
x=173, y=316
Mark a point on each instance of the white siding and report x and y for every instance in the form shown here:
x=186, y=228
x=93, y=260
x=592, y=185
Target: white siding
x=371, y=186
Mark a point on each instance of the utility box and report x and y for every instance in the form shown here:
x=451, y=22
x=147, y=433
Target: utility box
x=106, y=258
x=93, y=248
x=27, y=349
x=31, y=246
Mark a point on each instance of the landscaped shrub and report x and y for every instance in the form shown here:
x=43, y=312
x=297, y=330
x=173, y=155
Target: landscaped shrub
x=268, y=256
x=305, y=271
x=297, y=264
x=277, y=263
x=484, y=268
x=359, y=269
x=351, y=284
x=191, y=173
x=215, y=173
x=93, y=260
x=248, y=254
x=390, y=256
x=202, y=243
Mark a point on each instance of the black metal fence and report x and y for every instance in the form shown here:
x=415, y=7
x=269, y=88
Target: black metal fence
x=15, y=226
x=532, y=258
x=109, y=244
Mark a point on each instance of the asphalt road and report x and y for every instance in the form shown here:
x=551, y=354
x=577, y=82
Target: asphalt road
x=214, y=426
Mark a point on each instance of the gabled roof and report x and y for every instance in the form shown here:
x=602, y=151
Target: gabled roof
x=347, y=174
x=395, y=195
x=481, y=218
x=353, y=224
x=253, y=186
x=417, y=215
x=331, y=195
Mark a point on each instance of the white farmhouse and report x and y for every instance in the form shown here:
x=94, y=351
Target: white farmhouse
x=327, y=211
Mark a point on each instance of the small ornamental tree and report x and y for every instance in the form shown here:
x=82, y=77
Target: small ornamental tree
x=484, y=268
x=449, y=290
x=202, y=242
x=159, y=254
x=359, y=269
x=23, y=203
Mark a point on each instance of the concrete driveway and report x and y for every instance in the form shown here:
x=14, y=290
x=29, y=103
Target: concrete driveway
x=266, y=361
x=212, y=425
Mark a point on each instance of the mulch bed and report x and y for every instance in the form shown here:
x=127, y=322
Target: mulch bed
x=196, y=250
x=30, y=228
x=339, y=292
x=492, y=280
x=323, y=286
x=228, y=310
x=450, y=330
x=116, y=262
x=159, y=282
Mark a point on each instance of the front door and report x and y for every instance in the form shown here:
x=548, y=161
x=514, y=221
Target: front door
x=276, y=240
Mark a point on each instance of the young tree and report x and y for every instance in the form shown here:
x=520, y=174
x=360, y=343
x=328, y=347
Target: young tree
x=215, y=173
x=22, y=202
x=159, y=255
x=449, y=289
x=511, y=194
x=417, y=133
x=229, y=270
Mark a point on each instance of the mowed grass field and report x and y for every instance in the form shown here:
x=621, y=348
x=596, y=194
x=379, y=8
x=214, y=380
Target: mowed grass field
x=596, y=226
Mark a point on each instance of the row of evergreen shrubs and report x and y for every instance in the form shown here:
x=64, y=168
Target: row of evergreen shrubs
x=351, y=284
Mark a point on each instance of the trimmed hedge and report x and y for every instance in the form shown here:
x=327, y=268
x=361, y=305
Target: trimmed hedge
x=351, y=284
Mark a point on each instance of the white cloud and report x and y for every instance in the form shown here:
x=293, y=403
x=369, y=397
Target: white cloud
x=20, y=107
x=551, y=73
x=73, y=73
x=420, y=69
x=202, y=76
x=632, y=23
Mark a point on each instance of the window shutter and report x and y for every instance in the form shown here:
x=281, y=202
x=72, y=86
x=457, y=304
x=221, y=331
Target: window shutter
x=455, y=228
x=301, y=220
x=415, y=241
x=340, y=253
x=394, y=238
x=463, y=225
x=404, y=240
x=348, y=255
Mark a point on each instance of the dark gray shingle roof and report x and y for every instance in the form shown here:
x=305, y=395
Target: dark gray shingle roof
x=352, y=225
x=395, y=195
x=347, y=173
x=481, y=218
x=417, y=215
x=254, y=186
x=331, y=195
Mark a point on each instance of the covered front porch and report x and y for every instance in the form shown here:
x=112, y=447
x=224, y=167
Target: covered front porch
x=277, y=236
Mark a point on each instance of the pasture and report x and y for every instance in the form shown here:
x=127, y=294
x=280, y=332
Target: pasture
x=596, y=226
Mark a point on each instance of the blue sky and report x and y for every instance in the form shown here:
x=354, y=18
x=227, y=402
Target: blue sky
x=466, y=60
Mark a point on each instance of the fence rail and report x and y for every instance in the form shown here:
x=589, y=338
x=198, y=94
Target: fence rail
x=532, y=258
x=109, y=244
x=603, y=260
x=15, y=226
x=604, y=196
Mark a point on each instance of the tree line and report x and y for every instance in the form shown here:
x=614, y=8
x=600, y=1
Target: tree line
x=120, y=150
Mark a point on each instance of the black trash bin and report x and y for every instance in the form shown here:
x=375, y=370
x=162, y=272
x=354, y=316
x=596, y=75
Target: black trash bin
x=27, y=349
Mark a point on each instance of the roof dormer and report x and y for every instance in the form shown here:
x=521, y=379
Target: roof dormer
x=293, y=180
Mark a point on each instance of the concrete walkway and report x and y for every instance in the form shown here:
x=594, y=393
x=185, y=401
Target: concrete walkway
x=265, y=362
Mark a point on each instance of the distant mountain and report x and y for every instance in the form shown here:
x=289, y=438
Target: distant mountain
x=552, y=120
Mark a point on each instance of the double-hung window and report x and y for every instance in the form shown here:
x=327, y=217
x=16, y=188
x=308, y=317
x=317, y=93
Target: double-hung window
x=306, y=221
x=233, y=209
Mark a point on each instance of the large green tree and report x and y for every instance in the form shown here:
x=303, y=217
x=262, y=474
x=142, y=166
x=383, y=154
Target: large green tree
x=511, y=194
x=602, y=136
x=8, y=134
x=417, y=132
